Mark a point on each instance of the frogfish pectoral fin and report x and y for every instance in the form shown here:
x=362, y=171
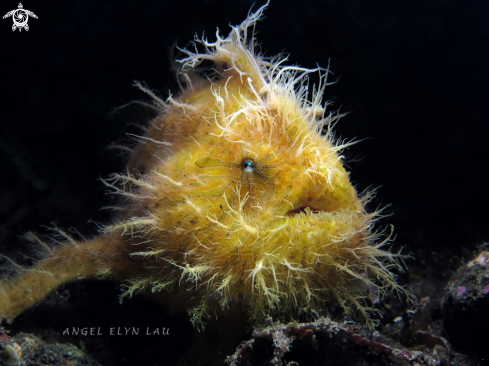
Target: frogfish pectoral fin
x=70, y=262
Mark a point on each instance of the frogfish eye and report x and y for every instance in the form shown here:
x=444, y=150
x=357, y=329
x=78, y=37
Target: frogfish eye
x=248, y=166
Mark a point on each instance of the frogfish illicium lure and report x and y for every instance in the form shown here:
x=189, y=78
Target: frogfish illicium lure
x=235, y=194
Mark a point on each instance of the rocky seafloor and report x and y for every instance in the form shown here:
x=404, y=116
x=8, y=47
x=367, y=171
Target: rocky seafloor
x=446, y=327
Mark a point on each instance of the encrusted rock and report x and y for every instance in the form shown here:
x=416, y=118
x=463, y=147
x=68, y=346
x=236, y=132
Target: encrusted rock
x=465, y=306
x=326, y=342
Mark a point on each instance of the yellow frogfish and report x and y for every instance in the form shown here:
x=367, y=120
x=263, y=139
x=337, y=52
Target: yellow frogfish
x=235, y=194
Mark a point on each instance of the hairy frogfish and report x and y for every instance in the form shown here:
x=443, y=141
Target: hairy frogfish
x=235, y=194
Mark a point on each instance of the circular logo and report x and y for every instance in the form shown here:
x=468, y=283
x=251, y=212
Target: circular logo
x=20, y=18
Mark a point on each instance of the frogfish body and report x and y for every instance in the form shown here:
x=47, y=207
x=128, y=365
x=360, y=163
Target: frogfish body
x=236, y=194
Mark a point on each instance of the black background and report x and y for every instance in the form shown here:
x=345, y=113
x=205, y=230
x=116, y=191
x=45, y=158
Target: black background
x=413, y=74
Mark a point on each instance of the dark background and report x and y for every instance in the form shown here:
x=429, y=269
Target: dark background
x=413, y=74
